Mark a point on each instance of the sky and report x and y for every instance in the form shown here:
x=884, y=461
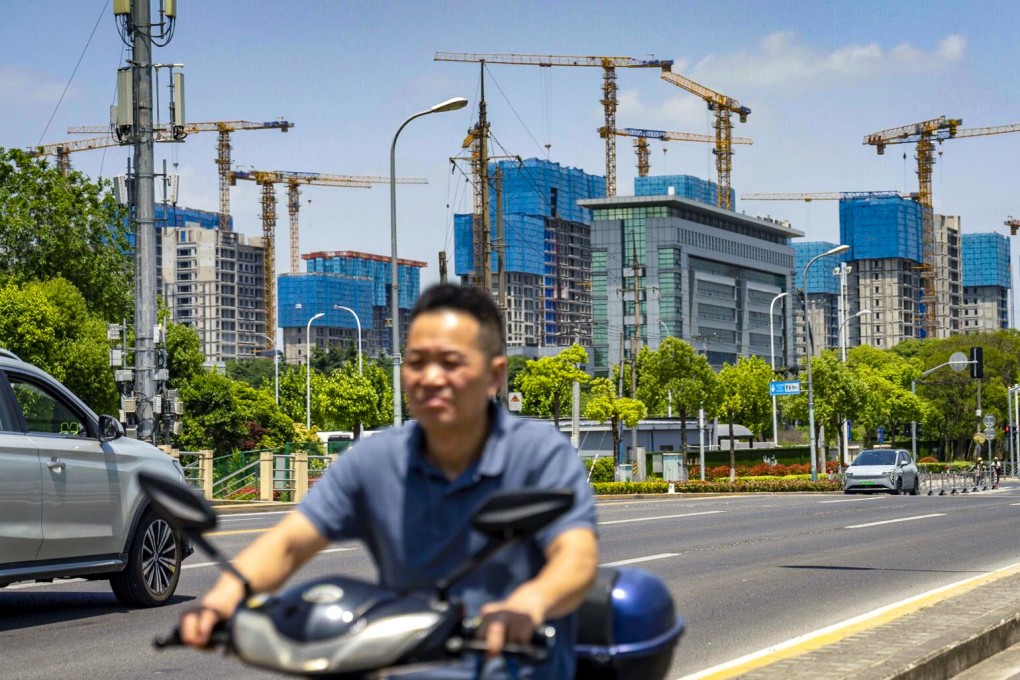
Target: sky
x=817, y=75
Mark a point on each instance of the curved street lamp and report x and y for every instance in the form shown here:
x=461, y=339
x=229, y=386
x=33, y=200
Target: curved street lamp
x=843, y=343
x=807, y=359
x=308, y=370
x=276, y=364
x=357, y=321
x=772, y=350
x=449, y=105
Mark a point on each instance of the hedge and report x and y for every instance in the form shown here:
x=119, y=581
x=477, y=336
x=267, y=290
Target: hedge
x=741, y=485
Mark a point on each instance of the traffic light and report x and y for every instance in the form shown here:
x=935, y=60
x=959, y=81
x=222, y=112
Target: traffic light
x=977, y=364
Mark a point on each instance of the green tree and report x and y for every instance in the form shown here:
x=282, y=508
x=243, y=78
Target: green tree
x=184, y=358
x=53, y=225
x=675, y=370
x=744, y=397
x=265, y=425
x=212, y=419
x=349, y=400
x=255, y=371
x=294, y=393
x=605, y=407
x=545, y=384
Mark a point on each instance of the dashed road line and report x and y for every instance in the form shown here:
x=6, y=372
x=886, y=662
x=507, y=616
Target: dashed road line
x=651, y=519
x=620, y=563
x=893, y=521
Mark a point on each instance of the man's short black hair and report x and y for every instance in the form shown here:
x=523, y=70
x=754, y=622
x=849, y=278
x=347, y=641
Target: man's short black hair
x=472, y=301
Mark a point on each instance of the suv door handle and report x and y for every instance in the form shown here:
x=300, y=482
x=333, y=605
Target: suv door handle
x=55, y=464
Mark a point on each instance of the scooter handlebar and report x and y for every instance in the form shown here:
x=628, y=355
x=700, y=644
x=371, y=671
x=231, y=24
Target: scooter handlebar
x=220, y=638
x=537, y=650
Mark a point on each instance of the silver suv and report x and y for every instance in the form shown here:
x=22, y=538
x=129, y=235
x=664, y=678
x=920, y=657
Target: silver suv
x=70, y=505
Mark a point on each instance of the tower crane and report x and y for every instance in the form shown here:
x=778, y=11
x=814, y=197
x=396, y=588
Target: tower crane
x=825, y=196
x=267, y=179
x=223, y=128
x=62, y=150
x=1013, y=225
x=609, y=101
x=925, y=134
x=723, y=106
x=641, y=138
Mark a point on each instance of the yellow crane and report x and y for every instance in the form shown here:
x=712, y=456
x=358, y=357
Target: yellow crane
x=62, y=150
x=223, y=128
x=609, y=101
x=823, y=196
x=267, y=179
x=641, y=138
x=723, y=107
x=925, y=134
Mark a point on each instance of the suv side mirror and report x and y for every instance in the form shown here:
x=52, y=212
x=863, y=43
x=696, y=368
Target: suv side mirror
x=110, y=428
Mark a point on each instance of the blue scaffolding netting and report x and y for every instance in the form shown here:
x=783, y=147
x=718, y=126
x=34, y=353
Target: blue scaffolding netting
x=318, y=293
x=985, y=260
x=684, y=186
x=820, y=276
x=881, y=226
x=377, y=270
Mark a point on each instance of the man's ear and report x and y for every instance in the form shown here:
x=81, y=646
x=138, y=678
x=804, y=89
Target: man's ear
x=497, y=368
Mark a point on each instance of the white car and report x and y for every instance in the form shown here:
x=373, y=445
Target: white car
x=887, y=470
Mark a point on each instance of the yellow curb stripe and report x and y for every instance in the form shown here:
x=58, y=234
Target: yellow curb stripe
x=832, y=634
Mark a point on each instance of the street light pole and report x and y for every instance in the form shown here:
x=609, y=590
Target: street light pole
x=772, y=349
x=448, y=105
x=807, y=359
x=276, y=366
x=842, y=346
x=357, y=321
x=308, y=370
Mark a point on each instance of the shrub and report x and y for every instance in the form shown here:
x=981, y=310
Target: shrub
x=760, y=484
x=604, y=470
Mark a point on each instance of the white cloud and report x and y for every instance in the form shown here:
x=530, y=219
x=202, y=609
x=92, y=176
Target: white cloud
x=679, y=112
x=24, y=87
x=781, y=60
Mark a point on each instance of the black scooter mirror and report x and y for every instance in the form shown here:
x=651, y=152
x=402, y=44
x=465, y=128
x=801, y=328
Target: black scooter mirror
x=184, y=507
x=513, y=514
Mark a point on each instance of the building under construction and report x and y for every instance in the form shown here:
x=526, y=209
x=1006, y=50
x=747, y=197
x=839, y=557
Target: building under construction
x=212, y=280
x=546, y=251
x=684, y=186
x=986, y=282
x=359, y=281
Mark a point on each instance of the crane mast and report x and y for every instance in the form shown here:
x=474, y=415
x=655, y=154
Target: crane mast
x=267, y=179
x=723, y=106
x=609, y=99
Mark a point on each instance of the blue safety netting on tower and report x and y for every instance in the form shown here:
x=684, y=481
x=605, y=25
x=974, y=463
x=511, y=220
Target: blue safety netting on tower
x=533, y=190
x=879, y=226
x=820, y=276
x=376, y=268
x=318, y=293
x=985, y=260
x=684, y=186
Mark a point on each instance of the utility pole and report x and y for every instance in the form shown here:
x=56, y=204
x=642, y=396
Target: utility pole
x=500, y=269
x=635, y=346
x=442, y=266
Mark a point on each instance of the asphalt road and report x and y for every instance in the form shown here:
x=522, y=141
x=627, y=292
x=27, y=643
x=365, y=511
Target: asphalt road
x=746, y=572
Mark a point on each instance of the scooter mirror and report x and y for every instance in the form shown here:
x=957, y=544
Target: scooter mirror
x=181, y=505
x=513, y=514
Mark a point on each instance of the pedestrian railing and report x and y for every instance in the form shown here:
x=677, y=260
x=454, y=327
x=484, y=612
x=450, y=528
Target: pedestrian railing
x=283, y=474
x=960, y=481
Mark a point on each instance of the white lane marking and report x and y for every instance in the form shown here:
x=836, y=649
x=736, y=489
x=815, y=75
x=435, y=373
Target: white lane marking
x=851, y=500
x=635, y=560
x=892, y=521
x=649, y=519
x=243, y=516
x=197, y=565
x=836, y=627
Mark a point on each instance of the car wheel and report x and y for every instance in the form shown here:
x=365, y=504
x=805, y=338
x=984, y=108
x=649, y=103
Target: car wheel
x=917, y=486
x=899, y=487
x=153, y=566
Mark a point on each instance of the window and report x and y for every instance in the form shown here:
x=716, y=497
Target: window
x=46, y=413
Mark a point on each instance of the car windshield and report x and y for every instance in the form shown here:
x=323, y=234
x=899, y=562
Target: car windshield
x=875, y=458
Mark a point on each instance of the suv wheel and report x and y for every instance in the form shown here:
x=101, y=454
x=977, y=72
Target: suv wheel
x=153, y=566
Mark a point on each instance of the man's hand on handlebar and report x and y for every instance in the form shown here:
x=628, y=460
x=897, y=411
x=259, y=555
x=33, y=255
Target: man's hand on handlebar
x=197, y=624
x=511, y=621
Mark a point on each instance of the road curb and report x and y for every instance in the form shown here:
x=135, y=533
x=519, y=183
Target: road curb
x=957, y=657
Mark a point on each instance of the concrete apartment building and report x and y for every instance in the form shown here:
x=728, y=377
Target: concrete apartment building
x=987, y=283
x=212, y=281
x=706, y=275
x=823, y=291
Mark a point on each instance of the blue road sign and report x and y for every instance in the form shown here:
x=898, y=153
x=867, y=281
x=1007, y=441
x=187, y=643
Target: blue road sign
x=778, y=388
x=880, y=434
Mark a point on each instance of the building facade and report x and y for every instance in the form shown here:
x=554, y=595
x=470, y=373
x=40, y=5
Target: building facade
x=212, y=281
x=668, y=266
x=360, y=281
x=948, y=276
x=547, y=252
x=684, y=186
x=987, y=282
x=823, y=296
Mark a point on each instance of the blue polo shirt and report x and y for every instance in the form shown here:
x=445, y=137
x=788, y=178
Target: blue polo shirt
x=416, y=523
